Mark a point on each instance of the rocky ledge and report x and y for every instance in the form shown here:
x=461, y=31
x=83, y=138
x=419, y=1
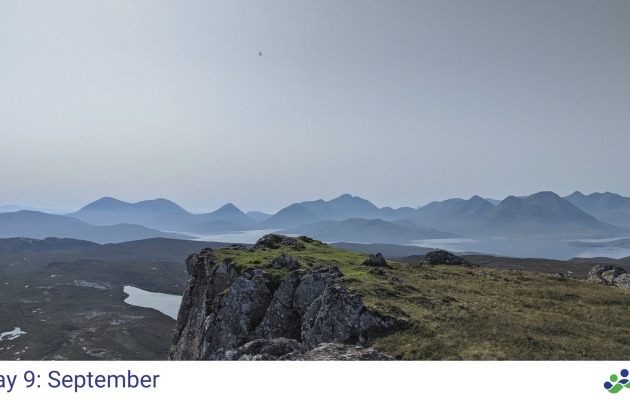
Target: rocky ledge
x=227, y=315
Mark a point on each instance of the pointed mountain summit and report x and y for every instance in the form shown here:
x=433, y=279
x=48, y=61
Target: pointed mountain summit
x=228, y=212
x=111, y=211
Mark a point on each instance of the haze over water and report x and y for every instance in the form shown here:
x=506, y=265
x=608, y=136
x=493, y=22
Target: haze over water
x=521, y=248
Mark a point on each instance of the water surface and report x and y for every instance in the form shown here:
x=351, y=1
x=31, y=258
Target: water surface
x=12, y=334
x=246, y=237
x=525, y=248
x=167, y=304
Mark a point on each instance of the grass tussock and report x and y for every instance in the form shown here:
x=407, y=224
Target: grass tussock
x=455, y=313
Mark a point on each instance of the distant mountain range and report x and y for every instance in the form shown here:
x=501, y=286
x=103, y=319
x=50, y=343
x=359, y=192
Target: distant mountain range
x=368, y=231
x=14, y=208
x=187, y=222
x=348, y=218
x=38, y=225
x=607, y=207
x=110, y=211
x=542, y=215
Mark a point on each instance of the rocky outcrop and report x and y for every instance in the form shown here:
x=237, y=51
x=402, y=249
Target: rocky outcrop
x=272, y=241
x=442, y=257
x=375, y=260
x=234, y=247
x=291, y=350
x=285, y=262
x=227, y=315
x=610, y=275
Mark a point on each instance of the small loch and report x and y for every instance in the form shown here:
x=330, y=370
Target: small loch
x=167, y=304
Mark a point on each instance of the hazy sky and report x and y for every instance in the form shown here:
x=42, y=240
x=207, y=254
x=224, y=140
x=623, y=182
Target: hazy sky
x=398, y=102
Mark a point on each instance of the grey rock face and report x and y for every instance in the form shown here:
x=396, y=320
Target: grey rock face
x=224, y=316
x=312, y=286
x=375, y=260
x=442, y=257
x=340, y=317
x=285, y=262
x=282, y=320
x=558, y=275
x=610, y=275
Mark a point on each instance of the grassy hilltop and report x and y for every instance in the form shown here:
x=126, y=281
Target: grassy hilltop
x=456, y=313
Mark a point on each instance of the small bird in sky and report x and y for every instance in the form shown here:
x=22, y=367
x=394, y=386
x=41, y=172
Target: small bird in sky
x=260, y=53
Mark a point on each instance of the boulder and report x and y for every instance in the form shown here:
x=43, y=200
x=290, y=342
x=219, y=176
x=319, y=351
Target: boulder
x=234, y=247
x=595, y=273
x=623, y=281
x=611, y=275
x=442, y=257
x=285, y=262
x=272, y=241
x=306, y=239
x=375, y=260
x=558, y=275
